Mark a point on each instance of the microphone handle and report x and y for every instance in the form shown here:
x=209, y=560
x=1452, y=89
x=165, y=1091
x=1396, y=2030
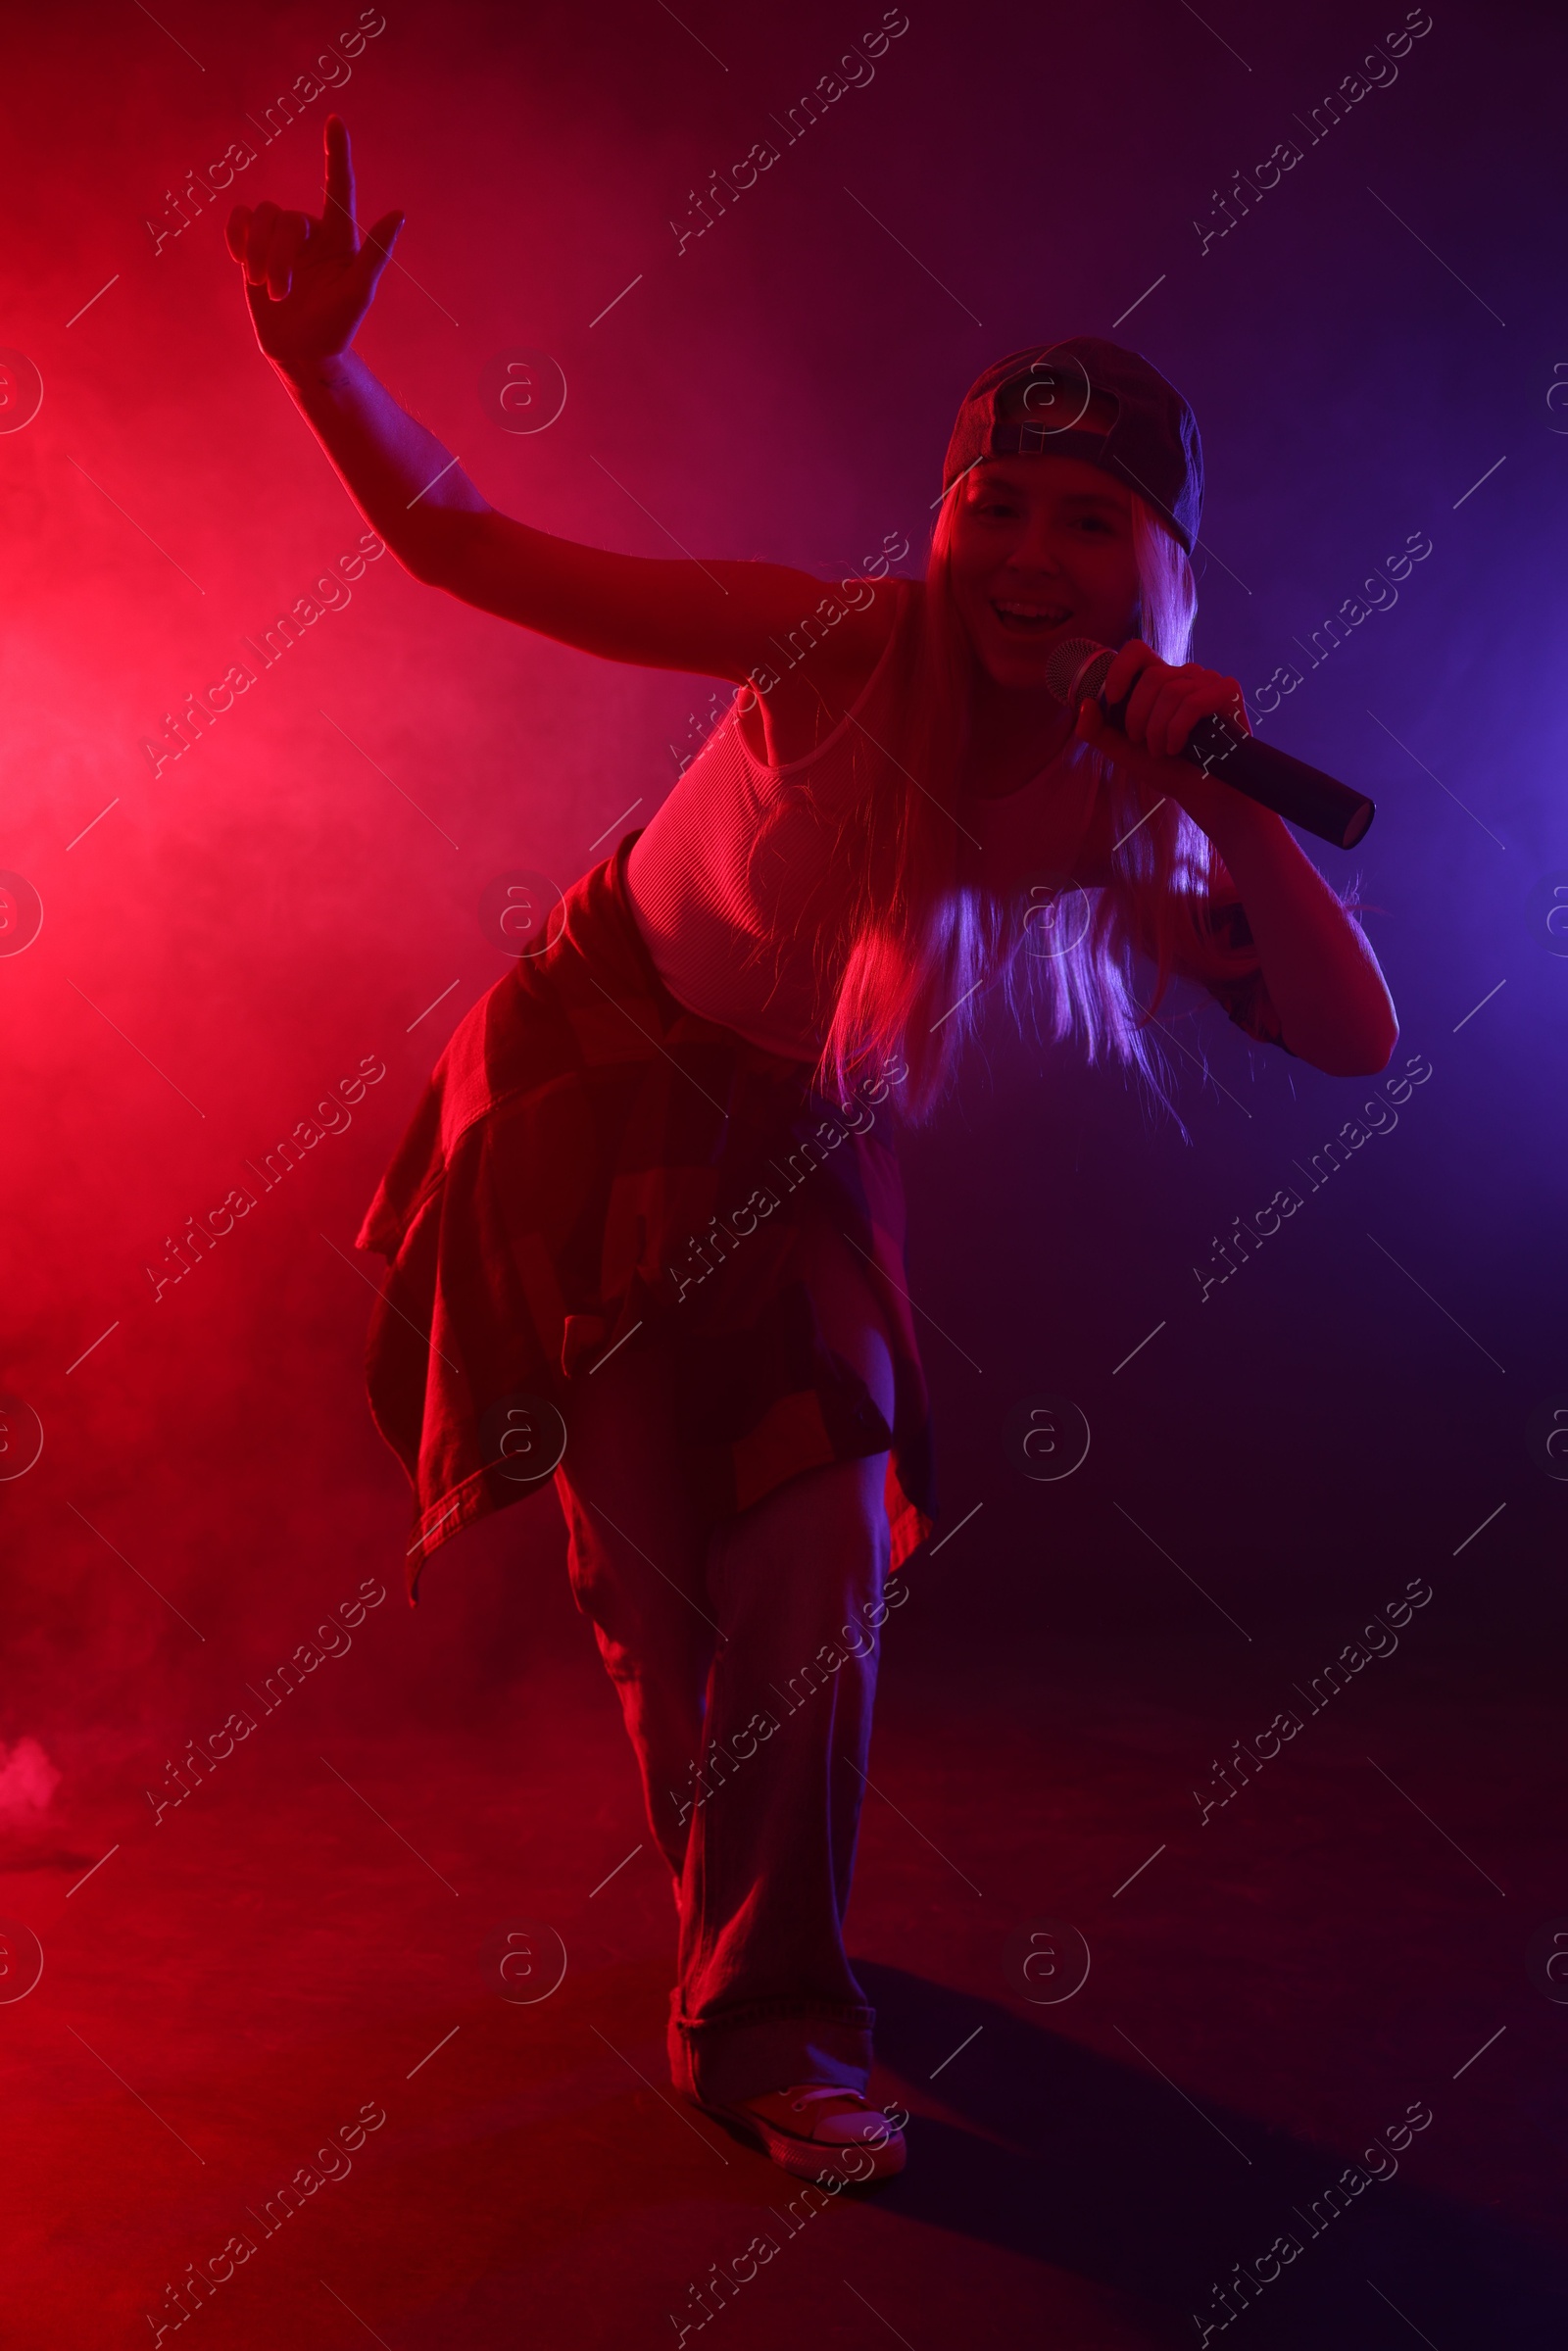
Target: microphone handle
x=1303, y=795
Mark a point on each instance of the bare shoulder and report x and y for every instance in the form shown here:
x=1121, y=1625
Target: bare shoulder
x=814, y=672
x=842, y=625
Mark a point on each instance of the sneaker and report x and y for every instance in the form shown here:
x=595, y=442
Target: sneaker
x=818, y=2127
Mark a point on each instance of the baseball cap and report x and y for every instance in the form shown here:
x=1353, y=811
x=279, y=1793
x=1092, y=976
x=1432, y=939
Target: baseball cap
x=1036, y=403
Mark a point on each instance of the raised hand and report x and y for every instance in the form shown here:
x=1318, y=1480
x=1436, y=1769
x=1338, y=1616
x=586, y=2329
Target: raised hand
x=309, y=281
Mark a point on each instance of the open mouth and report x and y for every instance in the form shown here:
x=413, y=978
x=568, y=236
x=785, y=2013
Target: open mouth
x=1028, y=620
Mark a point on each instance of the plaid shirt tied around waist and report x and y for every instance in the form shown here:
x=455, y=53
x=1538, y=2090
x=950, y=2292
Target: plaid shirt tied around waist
x=588, y=1161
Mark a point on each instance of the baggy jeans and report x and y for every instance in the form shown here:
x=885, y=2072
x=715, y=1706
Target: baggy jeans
x=744, y=1657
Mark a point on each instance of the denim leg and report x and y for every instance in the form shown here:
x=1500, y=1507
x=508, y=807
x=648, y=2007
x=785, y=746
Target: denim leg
x=745, y=1660
x=767, y=1995
x=637, y=1561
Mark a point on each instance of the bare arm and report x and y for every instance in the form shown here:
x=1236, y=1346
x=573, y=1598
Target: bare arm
x=1322, y=977
x=308, y=282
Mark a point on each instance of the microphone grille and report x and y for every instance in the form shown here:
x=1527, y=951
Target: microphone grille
x=1077, y=667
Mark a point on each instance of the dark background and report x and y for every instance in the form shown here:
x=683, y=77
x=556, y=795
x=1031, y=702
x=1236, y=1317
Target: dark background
x=234, y=934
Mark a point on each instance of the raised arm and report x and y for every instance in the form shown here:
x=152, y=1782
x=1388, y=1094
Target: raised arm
x=308, y=282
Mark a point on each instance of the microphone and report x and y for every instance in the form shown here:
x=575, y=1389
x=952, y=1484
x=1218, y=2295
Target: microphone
x=1077, y=670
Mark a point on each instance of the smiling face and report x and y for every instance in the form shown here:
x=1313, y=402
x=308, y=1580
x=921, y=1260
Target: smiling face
x=1042, y=549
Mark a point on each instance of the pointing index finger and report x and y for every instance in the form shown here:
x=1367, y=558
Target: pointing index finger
x=338, y=202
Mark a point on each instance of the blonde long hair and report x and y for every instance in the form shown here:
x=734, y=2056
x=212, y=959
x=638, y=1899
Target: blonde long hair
x=923, y=947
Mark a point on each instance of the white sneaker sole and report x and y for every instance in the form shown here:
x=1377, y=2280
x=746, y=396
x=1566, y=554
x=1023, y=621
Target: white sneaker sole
x=857, y=2164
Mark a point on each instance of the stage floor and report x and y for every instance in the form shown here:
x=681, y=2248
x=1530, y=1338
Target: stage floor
x=300, y=1948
